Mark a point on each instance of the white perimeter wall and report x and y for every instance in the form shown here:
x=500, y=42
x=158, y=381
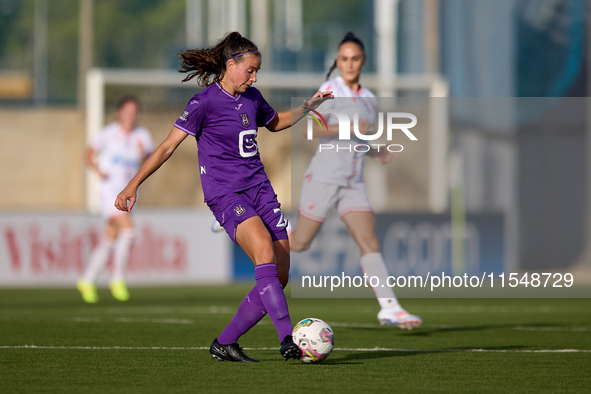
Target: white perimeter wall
x=171, y=247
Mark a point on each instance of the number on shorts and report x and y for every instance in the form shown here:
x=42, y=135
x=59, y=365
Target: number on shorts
x=282, y=222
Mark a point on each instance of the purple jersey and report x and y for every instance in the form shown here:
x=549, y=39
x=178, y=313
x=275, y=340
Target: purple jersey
x=225, y=128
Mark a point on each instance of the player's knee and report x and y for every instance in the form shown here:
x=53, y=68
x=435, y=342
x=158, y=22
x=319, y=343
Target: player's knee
x=367, y=243
x=298, y=245
x=295, y=247
x=264, y=256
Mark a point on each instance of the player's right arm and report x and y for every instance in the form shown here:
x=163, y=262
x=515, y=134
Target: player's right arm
x=365, y=126
x=156, y=159
x=89, y=158
x=319, y=131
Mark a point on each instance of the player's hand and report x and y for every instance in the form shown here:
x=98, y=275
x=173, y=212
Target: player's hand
x=317, y=99
x=128, y=194
x=364, y=126
x=383, y=156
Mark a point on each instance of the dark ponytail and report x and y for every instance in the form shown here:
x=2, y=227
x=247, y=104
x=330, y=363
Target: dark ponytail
x=350, y=37
x=334, y=65
x=209, y=64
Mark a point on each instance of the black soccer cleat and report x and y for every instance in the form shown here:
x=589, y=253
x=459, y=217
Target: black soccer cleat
x=231, y=352
x=289, y=349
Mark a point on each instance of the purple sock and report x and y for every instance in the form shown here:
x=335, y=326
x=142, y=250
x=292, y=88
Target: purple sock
x=272, y=296
x=250, y=312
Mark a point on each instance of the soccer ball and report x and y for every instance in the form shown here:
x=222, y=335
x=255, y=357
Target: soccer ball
x=315, y=338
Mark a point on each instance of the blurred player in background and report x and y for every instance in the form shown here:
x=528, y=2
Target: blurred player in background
x=335, y=180
x=224, y=119
x=122, y=147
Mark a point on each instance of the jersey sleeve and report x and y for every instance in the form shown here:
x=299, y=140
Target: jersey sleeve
x=266, y=113
x=192, y=118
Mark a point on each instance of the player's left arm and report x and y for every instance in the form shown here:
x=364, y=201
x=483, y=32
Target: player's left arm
x=284, y=119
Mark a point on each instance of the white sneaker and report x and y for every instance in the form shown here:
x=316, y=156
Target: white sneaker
x=216, y=227
x=400, y=318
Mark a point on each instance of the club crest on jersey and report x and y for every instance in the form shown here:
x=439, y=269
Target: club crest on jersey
x=245, y=121
x=239, y=210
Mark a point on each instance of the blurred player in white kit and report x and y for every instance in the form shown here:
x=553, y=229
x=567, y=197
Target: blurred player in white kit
x=122, y=147
x=334, y=179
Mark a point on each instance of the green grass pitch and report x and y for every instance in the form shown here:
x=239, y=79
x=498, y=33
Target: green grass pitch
x=50, y=341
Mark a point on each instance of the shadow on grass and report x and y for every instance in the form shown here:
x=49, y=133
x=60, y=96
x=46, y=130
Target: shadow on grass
x=326, y=363
x=353, y=357
x=440, y=330
x=378, y=354
x=428, y=331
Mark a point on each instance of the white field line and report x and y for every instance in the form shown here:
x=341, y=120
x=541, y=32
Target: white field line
x=227, y=310
x=136, y=310
x=162, y=310
x=132, y=320
x=375, y=349
x=534, y=328
x=428, y=310
x=446, y=327
x=79, y=319
x=354, y=325
x=85, y=319
x=146, y=320
x=501, y=309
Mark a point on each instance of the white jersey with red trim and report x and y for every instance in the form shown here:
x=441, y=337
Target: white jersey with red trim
x=344, y=166
x=120, y=157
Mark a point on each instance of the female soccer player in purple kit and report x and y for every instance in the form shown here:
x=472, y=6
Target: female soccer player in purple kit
x=224, y=119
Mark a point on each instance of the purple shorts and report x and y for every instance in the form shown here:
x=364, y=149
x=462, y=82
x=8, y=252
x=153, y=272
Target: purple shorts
x=260, y=200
